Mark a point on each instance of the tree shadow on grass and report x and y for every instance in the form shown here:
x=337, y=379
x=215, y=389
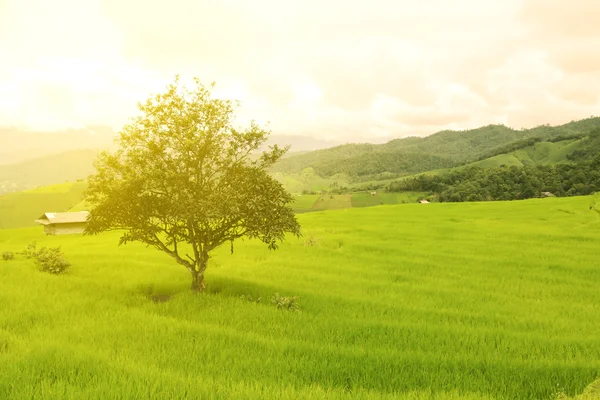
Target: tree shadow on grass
x=160, y=293
x=217, y=286
x=231, y=287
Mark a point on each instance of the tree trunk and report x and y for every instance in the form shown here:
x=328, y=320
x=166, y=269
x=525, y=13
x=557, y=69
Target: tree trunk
x=198, y=274
x=198, y=281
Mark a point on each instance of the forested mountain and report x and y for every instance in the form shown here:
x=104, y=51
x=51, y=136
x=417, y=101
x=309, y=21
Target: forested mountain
x=579, y=174
x=442, y=150
x=507, y=183
x=487, y=147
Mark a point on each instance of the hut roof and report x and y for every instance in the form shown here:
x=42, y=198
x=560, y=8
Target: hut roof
x=63, y=218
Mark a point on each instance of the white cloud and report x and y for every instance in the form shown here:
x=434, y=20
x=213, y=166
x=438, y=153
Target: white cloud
x=353, y=71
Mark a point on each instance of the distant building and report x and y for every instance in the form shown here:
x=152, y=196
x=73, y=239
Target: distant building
x=547, y=194
x=63, y=223
x=423, y=201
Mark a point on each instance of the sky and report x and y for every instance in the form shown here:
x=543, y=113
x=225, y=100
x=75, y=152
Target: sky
x=330, y=69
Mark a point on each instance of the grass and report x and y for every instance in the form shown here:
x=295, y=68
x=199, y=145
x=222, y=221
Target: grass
x=367, y=200
x=453, y=300
x=305, y=202
x=333, y=202
x=307, y=181
x=22, y=208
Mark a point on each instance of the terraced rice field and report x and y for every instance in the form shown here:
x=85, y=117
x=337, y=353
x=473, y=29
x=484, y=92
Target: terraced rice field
x=471, y=300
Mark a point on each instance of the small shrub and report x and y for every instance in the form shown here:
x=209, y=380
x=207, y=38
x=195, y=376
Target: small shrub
x=287, y=303
x=30, y=251
x=251, y=299
x=310, y=240
x=8, y=255
x=51, y=260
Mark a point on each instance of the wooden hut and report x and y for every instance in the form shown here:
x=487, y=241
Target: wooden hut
x=63, y=223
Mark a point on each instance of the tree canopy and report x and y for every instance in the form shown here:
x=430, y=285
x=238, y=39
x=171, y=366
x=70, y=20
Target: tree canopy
x=507, y=183
x=184, y=180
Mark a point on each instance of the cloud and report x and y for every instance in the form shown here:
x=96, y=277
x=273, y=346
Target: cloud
x=346, y=71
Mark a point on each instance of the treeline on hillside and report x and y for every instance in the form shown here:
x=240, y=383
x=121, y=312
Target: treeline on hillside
x=521, y=144
x=363, y=162
x=371, y=164
x=590, y=147
x=507, y=183
x=508, y=148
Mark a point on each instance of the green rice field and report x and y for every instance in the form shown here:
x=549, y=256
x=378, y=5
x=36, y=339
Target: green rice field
x=22, y=208
x=444, y=301
x=367, y=200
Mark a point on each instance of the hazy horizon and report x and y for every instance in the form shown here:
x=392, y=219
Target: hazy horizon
x=329, y=70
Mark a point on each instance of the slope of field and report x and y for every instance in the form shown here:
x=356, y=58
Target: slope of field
x=308, y=181
x=49, y=170
x=541, y=153
x=368, y=200
x=305, y=202
x=22, y=208
x=333, y=202
x=477, y=300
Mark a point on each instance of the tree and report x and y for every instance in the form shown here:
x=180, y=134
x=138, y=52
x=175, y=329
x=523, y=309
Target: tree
x=185, y=181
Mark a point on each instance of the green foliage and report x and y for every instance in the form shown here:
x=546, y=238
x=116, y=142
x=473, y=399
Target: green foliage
x=47, y=259
x=382, y=164
x=441, y=150
x=8, y=255
x=185, y=180
x=589, y=148
x=510, y=147
x=31, y=251
x=51, y=260
x=507, y=183
x=289, y=303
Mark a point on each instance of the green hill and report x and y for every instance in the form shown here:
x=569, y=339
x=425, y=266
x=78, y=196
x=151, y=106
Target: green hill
x=22, y=208
x=540, y=153
x=362, y=162
x=48, y=170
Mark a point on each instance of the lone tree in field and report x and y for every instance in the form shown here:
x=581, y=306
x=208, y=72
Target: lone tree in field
x=185, y=181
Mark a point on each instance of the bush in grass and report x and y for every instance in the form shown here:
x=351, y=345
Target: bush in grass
x=310, y=240
x=30, y=251
x=51, y=260
x=251, y=299
x=8, y=255
x=287, y=303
